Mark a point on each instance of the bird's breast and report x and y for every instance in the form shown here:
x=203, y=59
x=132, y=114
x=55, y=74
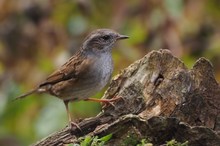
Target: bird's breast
x=101, y=70
x=93, y=80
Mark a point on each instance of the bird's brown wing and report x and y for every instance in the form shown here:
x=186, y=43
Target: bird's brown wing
x=74, y=67
x=70, y=70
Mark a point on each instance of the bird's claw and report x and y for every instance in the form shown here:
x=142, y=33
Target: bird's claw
x=74, y=125
x=109, y=101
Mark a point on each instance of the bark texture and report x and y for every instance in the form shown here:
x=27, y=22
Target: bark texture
x=161, y=100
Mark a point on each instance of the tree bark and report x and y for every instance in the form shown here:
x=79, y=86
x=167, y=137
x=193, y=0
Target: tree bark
x=161, y=100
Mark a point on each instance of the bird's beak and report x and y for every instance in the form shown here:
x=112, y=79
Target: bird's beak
x=120, y=37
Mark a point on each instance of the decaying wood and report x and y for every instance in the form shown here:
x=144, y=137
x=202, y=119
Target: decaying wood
x=156, y=85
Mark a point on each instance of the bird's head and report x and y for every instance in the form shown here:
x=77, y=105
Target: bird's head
x=102, y=40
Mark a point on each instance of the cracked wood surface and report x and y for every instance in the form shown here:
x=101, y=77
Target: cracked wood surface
x=159, y=84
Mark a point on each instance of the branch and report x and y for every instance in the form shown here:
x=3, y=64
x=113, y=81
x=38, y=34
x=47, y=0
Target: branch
x=156, y=85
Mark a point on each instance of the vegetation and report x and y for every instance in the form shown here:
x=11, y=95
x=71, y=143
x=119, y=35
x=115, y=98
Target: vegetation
x=94, y=141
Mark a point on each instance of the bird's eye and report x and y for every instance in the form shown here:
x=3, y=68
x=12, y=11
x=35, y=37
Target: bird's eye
x=105, y=37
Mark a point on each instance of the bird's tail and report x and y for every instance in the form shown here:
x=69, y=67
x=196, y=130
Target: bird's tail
x=26, y=94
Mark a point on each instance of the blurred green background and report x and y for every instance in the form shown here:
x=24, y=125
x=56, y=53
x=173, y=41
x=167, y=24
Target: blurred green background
x=37, y=36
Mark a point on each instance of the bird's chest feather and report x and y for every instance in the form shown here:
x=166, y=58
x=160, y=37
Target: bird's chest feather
x=101, y=70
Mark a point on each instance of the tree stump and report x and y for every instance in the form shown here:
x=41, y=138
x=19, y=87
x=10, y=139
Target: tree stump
x=161, y=100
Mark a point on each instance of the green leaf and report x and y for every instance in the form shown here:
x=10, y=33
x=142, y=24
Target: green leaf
x=106, y=138
x=86, y=141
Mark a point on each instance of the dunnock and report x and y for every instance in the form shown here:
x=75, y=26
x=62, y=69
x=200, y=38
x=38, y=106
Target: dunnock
x=85, y=73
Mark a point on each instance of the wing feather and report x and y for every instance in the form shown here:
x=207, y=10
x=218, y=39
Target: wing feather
x=70, y=70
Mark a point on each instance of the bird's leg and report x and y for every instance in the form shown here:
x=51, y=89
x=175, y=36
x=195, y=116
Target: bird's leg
x=71, y=123
x=105, y=101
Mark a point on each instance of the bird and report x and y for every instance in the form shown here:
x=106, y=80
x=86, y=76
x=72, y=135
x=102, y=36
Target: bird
x=85, y=73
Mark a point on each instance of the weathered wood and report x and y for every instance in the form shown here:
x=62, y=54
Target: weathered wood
x=157, y=85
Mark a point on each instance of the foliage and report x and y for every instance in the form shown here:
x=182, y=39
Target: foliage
x=173, y=142
x=134, y=140
x=95, y=141
x=145, y=142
